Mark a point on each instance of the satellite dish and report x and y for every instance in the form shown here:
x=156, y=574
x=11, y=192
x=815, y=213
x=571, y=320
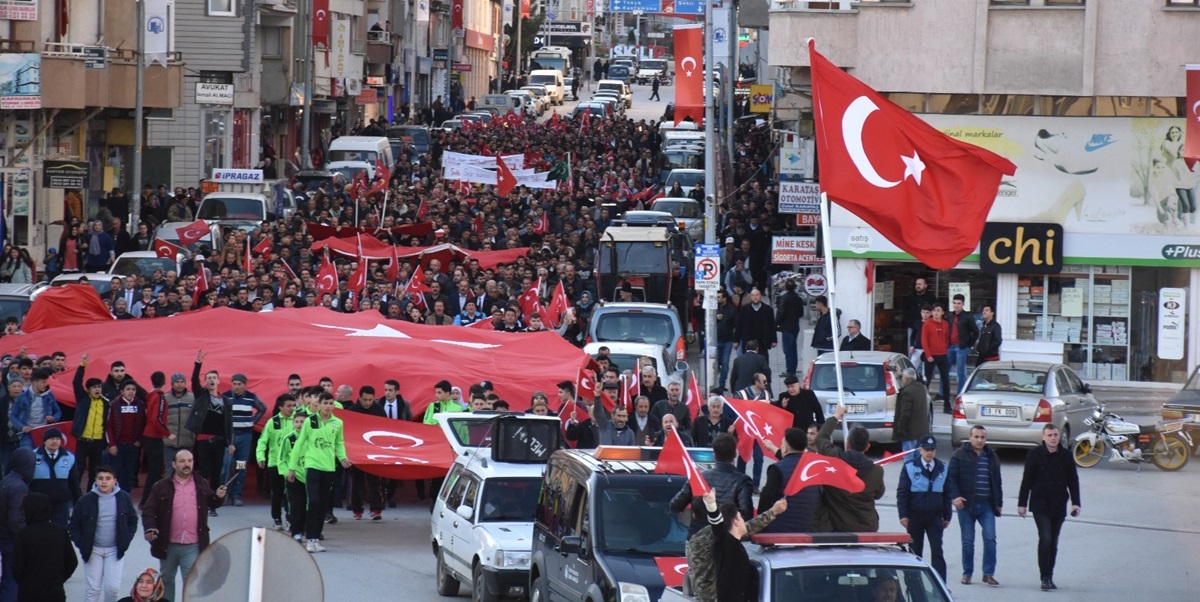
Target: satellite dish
x=256, y=565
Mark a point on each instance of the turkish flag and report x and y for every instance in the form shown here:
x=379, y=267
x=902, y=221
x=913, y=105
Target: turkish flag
x=395, y=449
x=689, y=73
x=674, y=459
x=695, y=401
x=587, y=383
x=609, y=403
x=249, y=266
x=1191, y=146
x=485, y=324
x=327, y=279
x=382, y=172
x=39, y=435
x=632, y=390
x=758, y=421
x=529, y=301
x=570, y=410
x=585, y=121
x=456, y=17
x=924, y=191
x=422, y=210
x=559, y=303
x=68, y=305
x=416, y=288
x=202, y=285
x=673, y=569
x=358, y=279
x=393, y=269
x=165, y=249
x=193, y=232
x=543, y=224
x=263, y=248
x=815, y=469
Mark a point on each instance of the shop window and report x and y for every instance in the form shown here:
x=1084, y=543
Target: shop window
x=1121, y=106
x=913, y=102
x=1066, y=106
x=222, y=8
x=1007, y=104
x=896, y=309
x=214, y=129
x=954, y=104
x=1168, y=106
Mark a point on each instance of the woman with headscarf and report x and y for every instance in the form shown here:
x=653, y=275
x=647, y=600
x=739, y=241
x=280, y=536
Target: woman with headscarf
x=100, y=248
x=147, y=588
x=43, y=557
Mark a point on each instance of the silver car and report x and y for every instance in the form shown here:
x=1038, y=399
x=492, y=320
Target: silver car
x=1015, y=400
x=687, y=213
x=870, y=380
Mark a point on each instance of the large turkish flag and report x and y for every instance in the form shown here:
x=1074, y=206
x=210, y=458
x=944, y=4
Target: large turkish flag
x=689, y=73
x=68, y=305
x=926, y=192
x=352, y=349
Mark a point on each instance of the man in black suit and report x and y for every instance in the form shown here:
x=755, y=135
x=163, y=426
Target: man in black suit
x=854, y=339
x=756, y=322
x=747, y=365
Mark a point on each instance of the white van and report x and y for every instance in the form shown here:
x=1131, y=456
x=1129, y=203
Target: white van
x=366, y=149
x=553, y=80
x=500, y=104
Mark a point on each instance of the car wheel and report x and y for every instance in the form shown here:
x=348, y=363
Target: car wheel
x=536, y=590
x=447, y=585
x=479, y=590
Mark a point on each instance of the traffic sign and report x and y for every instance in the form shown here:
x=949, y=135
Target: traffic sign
x=708, y=267
x=814, y=284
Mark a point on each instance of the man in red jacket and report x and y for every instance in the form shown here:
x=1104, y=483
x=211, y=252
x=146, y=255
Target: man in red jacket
x=155, y=431
x=935, y=340
x=126, y=422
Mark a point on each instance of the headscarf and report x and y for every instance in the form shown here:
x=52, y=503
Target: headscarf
x=156, y=594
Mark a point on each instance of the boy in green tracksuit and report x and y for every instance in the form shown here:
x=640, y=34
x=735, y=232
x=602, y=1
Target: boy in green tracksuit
x=297, y=496
x=267, y=453
x=442, y=403
x=322, y=448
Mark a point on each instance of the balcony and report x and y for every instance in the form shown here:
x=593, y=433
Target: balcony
x=380, y=50
x=64, y=66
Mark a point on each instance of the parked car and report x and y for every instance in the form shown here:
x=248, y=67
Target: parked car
x=870, y=381
x=620, y=86
x=613, y=105
x=15, y=300
x=450, y=125
x=532, y=103
x=1014, y=400
x=687, y=213
x=540, y=92
x=101, y=281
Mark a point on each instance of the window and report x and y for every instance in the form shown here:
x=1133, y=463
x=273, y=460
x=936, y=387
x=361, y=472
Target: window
x=1183, y=2
x=1066, y=106
x=222, y=8
x=1007, y=104
x=272, y=42
x=954, y=104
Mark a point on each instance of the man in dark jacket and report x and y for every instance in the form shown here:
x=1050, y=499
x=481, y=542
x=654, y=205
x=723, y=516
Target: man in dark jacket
x=841, y=510
x=924, y=503
x=914, y=301
x=13, y=489
x=726, y=329
x=56, y=475
x=1049, y=482
x=977, y=493
x=756, y=322
x=963, y=334
x=802, y=506
x=822, y=339
x=211, y=415
x=854, y=340
x=912, y=410
x=177, y=551
x=9, y=442
x=116, y=379
x=712, y=424
x=366, y=487
x=102, y=526
x=789, y=310
x=749, y=363
x=802, y=403
x=42, y=556
x=990, y=337
x=731, y=485
x=581, y=428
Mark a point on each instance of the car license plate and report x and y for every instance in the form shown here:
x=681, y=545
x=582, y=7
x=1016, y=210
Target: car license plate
x=998, y=412
x=851, y=408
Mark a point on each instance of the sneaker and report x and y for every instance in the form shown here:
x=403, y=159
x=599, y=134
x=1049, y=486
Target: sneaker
x=314, y=546
x=376, y=516
x=237, y=501
x=298, y=537
x=1051, y=582
x=358, y=516
x=278, y=525
x=330, y=519
x=212, y=512
x=1045, y=585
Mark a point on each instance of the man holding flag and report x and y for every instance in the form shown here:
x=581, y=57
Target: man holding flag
x=841, y=510
x=731, y=484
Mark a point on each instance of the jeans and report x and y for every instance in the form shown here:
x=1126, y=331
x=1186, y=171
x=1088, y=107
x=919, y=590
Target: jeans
x=242, y=442
x=958, y=358
x=318, y=485
x=180, y=558
x=128, y=456
x=943, y=367
x=928, y=524
x=758, y=465
x=102, y=575
x=1048, y=528
x=724, y=350
x=790, y=353
x=982, y=513
x=154, y=463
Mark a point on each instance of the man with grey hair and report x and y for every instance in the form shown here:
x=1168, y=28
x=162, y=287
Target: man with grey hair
x=912, y=410
x=854, y=339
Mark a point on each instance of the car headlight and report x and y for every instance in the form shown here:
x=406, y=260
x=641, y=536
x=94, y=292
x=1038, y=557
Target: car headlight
x=512, y=560
x=632, y=592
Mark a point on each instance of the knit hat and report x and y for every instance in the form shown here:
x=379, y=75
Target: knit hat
x=239, y=378
x=53, y=433
x=178, y=376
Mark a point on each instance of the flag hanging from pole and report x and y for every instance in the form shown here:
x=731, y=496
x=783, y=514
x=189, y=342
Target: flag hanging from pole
x=1191, y=146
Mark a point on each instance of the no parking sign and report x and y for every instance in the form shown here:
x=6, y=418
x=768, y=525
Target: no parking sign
x=708, y=267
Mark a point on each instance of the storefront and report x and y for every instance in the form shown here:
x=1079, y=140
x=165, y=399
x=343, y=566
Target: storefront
x=1092, y=248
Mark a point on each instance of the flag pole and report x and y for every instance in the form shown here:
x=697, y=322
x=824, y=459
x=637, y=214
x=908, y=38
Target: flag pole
x=833, y=316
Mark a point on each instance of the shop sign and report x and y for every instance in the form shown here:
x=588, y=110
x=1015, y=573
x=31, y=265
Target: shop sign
x=214, y=94
x=1021, y=248
x=21, y=81
x=64, y=174
x=95, y=57
x=244, y=176
x=859, y=240
x=815, y=285
x=1171, y=319
x=787, y=250
x=799, y=197
x=18, y=10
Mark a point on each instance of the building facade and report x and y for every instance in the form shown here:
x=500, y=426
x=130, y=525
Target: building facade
x=1087, y=98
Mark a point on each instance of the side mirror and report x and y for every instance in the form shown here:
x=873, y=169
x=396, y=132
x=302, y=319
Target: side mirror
x=1087, y=389
x=681, y=366
x=465, y=511
x=571, y=544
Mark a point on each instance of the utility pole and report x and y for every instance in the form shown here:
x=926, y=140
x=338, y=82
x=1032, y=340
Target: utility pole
x=710, y=199
x=731, y=37
x=139, y=133
x=410, y=87
x=520, y=67
x=306, y=118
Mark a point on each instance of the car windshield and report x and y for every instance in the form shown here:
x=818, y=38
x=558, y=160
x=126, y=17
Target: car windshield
x=615, y=71
x=634, y=258
x=416, y=135
x=653, y=328
x=618, y=88
x=653, y=64
x=678, y=208
x=855, y=377
x=350, y=172
x=856, y=583
x=510, y=499
x=143, y=266
x=636, y=519
x=1008, y=379
x=538, y=92
x=314, y=183
x=543, y=79
x=14, y=308
x=472, y=431
x=352, y=155
x=685, y=178
x=230, y=208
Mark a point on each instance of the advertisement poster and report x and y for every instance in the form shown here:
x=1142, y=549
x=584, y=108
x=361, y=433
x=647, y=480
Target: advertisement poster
x=21, y=81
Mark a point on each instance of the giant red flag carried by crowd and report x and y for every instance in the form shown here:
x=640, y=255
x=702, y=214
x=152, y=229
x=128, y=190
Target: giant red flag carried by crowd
x=924, y=191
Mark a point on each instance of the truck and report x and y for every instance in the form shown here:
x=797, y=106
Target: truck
x=243, y=194
x=653, y=256
x=557, y=58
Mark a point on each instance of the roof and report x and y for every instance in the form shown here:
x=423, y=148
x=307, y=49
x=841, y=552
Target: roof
x=1025, y=365
x=356, y=140
x=587, y=459
x=859, y=356
x=648, y=349
x=9, y=289
x=686, y=170
x=480, y=461
x=675, y=199
x=847, y=555
x=631, y=233
x=617, y=306
x=319, y=173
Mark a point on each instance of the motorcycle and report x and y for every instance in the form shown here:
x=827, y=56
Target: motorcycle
x=1167, y=444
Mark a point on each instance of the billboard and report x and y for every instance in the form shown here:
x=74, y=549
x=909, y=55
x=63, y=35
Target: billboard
x=18, y=10
x=21, y=81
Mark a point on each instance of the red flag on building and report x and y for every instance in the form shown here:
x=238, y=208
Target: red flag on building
x=1191, y=147
x=505, y=180
x=674, y=459
x=689, y=73
x=193, y=232
x=924, y=191
x=320, y=25
x=815, y=469
x=758, y=421
x=456, y=16
x=165, y=249
x=695, y=401
x=327, y=279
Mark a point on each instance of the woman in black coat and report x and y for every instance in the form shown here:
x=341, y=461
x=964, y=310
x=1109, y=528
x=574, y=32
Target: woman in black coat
x=43, y=557
x=1050, y=480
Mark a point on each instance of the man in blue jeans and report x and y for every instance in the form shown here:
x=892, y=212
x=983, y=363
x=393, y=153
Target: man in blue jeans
x=726, y=326
x=247, y=409
x=789, y=310
x=963, y=335
x=975, y=490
